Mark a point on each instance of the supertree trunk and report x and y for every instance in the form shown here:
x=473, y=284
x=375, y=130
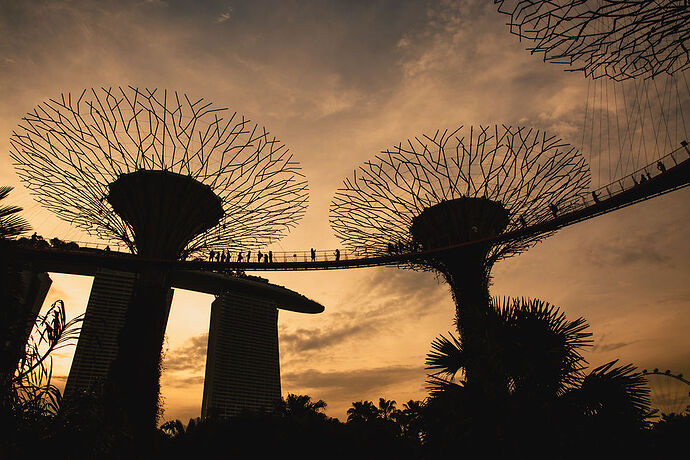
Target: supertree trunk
x=135, y=373
x=467, y=274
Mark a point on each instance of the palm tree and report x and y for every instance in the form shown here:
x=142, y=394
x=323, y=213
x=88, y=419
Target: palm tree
x=300, y=406
x=362, y=411
x=536, y=381
x=387, y=410
x=409, y=419
x=530, y=345
x=13, y=314
x=11, y=225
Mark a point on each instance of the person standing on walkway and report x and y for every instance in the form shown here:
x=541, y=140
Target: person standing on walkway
x=313, y=255
x=337, y=255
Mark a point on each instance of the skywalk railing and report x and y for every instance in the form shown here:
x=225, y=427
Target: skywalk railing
x=567, y=213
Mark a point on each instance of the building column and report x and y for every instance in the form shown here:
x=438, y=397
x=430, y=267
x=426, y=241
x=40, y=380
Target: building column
x=242, y=362
x=98, y=342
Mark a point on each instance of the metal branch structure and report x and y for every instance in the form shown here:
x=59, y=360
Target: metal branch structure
x=524, y=170
x=454, y=187
x=236, y=181
x=168, y=176
x=620, y=39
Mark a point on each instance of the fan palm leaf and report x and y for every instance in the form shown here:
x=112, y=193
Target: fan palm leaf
x=11, y=225
x=619, y=394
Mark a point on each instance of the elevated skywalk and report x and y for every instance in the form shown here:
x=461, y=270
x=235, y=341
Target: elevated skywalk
x=665, y=175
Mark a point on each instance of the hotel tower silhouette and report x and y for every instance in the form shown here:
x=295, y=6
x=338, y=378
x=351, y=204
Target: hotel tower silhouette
x=242, y=364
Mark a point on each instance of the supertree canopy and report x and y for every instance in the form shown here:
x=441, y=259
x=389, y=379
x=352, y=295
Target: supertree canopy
x=168, y=176
x=163, y=173
x=440, y=193
x=620, y=39
x=457, y=186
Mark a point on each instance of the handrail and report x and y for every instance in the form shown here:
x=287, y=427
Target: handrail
x=601, y=200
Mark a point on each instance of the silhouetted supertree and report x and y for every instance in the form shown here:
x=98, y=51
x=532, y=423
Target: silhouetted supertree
x=618, y=38
x=168, y=176
x=441, y=193
x=131, y=165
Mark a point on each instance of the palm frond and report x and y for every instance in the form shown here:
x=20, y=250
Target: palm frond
x=11, y=224
x=540, y=346
x=447, y=357
x=617, y=392
x=32, y=380
x=439, y=386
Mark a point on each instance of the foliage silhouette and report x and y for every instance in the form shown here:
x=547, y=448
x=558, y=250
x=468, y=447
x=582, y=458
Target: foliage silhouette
x=537, y=384
x=30, y=402
x=11, y=225
x=300, y=406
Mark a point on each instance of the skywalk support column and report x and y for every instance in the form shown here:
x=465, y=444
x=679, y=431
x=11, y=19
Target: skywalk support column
x=466, y=270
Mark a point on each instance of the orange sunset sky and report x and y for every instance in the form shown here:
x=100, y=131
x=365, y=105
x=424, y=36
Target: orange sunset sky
x=338, y=81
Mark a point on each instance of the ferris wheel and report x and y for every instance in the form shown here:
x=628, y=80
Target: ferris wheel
x=670, y=393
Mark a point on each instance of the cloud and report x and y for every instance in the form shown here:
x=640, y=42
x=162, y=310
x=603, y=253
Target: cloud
x=225, y=15
x=319, y=338
x=380, y=307
x=191, y=357
x=174, y=381
x=353, y=383
x=610, y=346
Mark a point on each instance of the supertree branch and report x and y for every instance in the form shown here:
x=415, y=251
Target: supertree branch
x=436, y=192
x=68, y=151
x=529, y=173
x=620, y=39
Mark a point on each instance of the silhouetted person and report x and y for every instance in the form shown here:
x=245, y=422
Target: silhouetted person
x=270, y=256
x=554, y=209
x=259, y=255
x=222, y=256
x=107, y=249
x=661, y=167
x=239, y=256
x=249, y=256
x=313, y=255
x=337, y=255
x=595, y=197
x=643, y=179
x=210, y=257
x=265, y=258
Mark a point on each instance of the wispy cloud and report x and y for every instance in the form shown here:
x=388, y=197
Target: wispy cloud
x=191, y=357
x=225, y=15
x=356, y=382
